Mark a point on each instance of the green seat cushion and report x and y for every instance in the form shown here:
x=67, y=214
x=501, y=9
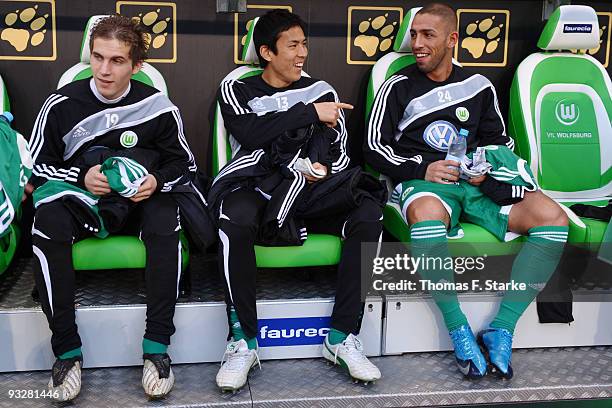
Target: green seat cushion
x=8, y=246
x=115, y=252
x=593, y=234
x=395, y=224
x=318, y=250
x=475, y=242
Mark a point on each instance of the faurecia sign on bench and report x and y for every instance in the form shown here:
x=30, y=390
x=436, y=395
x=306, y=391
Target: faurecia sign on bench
x=577, y=28
x=299, y=331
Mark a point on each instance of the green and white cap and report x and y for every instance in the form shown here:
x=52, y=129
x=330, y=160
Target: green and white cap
x=124, y=175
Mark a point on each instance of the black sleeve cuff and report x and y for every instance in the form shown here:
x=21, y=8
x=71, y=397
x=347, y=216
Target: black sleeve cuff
x=81, y=178
x=501, y=193
x=421, y=170
x=158, y=178
x=311, y=113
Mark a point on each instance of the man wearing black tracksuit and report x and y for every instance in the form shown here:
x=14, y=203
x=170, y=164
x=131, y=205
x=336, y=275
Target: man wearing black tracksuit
x=109, y=112
x=277, y=119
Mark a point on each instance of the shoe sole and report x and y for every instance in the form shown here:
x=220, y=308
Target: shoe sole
x=157, y=397
x=235, y=389
x=473, y=377
x=228, y=389
x=327, y=355
x=65, y=400
x=492, y=368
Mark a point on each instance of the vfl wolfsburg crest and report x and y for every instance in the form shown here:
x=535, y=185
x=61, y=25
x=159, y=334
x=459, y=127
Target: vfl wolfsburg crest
x=462, y=113
x=128, y=139
x=567, y=113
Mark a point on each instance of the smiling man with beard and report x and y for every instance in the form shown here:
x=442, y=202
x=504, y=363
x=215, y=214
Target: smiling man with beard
x=416, y=114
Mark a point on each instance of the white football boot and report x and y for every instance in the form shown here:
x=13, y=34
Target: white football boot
x=65, y=382
x=349, y=355
x=234, y=372
x=157, y=375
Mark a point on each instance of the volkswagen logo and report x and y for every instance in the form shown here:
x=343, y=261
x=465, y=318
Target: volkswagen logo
x=439, y=135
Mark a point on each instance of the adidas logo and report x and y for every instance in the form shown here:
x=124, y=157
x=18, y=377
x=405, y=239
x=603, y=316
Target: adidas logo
x=418, y=106
x=80, y=132
x=258, y=105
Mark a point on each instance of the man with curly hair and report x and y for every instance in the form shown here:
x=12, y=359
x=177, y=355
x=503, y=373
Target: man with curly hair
x=111, y=112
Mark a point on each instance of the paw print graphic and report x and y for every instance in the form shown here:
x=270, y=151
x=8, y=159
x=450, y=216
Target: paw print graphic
x=487, y=40
x=247, y=27
x=157, y=37
x=375, y=35
x=24, y=27
x=595, y=50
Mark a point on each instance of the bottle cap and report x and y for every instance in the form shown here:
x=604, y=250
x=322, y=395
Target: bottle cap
x=463, y=132
x=8, y=116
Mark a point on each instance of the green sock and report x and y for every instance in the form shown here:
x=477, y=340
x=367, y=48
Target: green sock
x=534, y=265
x=428, y=240
x=336, y=336
x=153, y=347
x=70, y=354
x=237, y=332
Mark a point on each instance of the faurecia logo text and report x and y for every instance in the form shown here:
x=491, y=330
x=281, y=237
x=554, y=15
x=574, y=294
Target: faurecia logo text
x=577, y=28
x=299, y=331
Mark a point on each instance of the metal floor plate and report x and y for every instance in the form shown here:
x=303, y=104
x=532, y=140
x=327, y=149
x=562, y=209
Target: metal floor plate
x=127, y=287
x=423, y=379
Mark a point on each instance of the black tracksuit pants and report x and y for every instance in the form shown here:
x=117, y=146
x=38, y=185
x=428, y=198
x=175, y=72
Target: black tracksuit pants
x=241, y=212
x=157, y=223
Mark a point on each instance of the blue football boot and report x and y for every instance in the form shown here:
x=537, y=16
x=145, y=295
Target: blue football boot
x=470, y=360
x=498, y=347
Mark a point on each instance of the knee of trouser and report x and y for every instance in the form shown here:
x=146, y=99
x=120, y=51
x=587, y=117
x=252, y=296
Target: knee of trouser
x=244, y=215
x=53, y=221
x=236, y=232
x=160, y=215
x=365, y=219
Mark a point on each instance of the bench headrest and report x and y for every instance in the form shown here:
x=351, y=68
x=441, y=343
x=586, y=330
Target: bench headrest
x=570, y=27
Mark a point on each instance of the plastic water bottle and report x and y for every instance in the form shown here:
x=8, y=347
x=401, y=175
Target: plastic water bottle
x=7, y=117
x=458, y=147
